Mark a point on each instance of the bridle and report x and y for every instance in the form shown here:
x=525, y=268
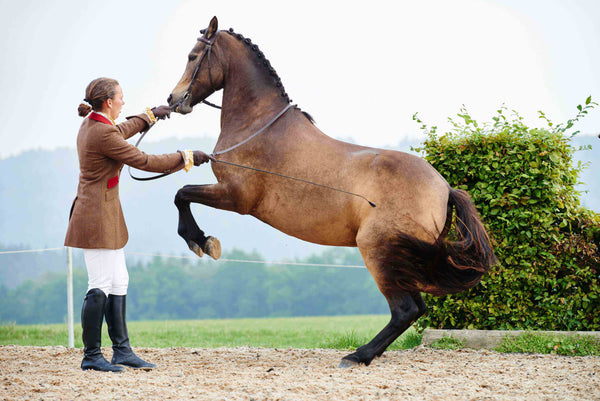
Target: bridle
x=188, y=92
x=205, y=53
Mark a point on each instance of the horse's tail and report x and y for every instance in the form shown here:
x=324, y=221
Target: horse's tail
x=445, y=266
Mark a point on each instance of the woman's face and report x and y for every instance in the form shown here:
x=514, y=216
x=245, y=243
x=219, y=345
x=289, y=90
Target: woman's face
x=116, y=103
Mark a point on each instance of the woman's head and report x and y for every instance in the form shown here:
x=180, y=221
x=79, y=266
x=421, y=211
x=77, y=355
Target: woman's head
x=100, y=94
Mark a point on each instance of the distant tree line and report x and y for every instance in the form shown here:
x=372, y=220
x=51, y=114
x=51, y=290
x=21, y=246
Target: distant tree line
x=169, y=288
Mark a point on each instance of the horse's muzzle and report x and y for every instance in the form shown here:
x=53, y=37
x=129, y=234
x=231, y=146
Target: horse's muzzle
x=182, y=105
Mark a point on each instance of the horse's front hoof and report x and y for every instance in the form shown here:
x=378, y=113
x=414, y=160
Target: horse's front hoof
x=212, y=247
x=196, y=248
x=347, y=363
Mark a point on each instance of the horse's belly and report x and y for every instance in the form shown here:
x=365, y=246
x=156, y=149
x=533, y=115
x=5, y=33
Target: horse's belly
x=319, y=235
x=312, y=225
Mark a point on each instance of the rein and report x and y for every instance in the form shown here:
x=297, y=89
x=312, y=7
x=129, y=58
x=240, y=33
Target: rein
x=213, y=155
x=143, y=134
x=214, y=159
x=282, y=112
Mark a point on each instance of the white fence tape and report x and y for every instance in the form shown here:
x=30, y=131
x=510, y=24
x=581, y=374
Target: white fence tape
x=32, y=250
x=248, y=261
x=195, y=257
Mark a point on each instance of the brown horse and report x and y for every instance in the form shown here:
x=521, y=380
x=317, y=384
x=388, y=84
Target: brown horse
x=403, y=240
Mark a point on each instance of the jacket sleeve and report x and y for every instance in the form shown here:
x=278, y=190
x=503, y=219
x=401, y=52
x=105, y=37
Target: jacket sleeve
x=133, y=125
x=112, y=144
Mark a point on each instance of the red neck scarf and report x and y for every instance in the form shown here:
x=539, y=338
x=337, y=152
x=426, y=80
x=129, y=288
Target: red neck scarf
x=99, y=117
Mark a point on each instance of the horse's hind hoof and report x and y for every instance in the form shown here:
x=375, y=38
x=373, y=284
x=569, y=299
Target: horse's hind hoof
x=196, y=248
x=212, y=247
x=347, y=363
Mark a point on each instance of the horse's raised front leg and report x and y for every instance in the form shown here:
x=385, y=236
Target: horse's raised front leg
x=214, y=195
x=406, y=309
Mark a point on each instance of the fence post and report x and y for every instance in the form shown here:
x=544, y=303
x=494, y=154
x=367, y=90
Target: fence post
x=70, y=297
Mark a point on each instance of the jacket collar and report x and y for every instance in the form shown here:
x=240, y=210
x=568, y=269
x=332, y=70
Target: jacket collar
x=103, y=118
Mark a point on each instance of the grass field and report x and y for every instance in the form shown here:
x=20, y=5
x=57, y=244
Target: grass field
x=339, y=332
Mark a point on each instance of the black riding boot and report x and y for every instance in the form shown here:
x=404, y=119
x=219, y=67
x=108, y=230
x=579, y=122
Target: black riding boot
x=92, y=314
x=117, y=330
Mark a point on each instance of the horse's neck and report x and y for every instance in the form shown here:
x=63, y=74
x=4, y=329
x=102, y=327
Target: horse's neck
x=250, y=97
x=247, y=106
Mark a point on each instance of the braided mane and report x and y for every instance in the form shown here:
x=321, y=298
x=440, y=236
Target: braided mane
x=267, y=64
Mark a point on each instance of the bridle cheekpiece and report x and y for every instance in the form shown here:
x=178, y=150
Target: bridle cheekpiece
x=206, y=52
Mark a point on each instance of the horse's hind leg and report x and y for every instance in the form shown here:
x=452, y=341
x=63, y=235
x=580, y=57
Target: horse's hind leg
x=405, y=309
x=211, y=195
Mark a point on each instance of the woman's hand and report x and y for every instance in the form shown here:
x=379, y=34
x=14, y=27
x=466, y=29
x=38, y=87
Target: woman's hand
x=161, y=112
x=200, y=157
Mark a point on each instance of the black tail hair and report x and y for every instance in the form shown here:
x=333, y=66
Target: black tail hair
x=443, y=266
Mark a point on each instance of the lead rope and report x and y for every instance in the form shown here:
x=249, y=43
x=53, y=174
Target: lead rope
x=291, y=178
x=282, y=112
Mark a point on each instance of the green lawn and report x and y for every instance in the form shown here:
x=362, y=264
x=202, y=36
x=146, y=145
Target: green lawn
x=340, y=332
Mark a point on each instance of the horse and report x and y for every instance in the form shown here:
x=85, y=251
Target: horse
x=400, y=219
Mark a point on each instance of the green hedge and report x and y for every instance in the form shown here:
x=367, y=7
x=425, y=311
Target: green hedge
x=522, y=181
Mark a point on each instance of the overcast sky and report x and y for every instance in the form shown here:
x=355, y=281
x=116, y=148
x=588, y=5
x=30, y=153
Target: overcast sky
x=361, y=70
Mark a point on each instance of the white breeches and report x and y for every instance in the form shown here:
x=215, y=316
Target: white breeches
x=107, y=270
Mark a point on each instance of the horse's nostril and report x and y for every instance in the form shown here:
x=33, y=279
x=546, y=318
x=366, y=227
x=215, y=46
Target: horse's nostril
x=169, y=99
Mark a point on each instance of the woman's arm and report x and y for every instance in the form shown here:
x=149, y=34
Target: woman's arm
x=112, y=144
x=134, y=124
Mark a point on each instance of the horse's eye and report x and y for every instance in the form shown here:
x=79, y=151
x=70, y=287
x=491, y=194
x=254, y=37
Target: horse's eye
x=191, y=57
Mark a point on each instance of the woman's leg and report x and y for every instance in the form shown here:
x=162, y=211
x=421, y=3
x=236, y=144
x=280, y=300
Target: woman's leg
x=116, y=308
x=98, y=263
x=92, y=313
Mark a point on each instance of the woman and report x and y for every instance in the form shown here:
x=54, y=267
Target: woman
x=96, y=221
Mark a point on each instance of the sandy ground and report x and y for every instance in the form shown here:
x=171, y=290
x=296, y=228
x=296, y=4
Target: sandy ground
x=53, y=373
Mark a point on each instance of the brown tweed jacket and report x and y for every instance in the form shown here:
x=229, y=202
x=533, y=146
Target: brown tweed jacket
x=96, y=219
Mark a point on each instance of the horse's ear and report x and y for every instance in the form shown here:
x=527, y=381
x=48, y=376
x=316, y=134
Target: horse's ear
x=213, y=27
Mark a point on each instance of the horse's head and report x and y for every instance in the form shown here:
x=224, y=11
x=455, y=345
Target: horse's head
x=202, y=76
